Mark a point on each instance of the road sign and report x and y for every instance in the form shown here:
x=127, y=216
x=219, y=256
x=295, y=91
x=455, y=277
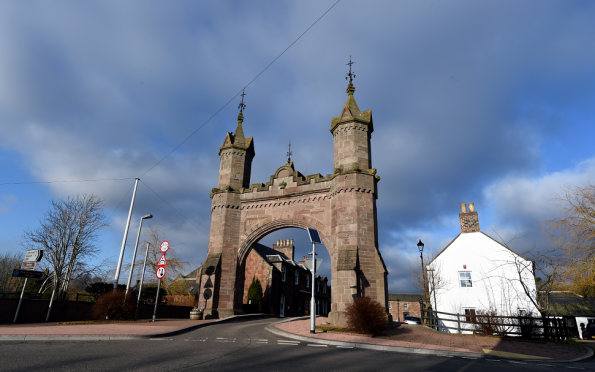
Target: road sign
x=160, y=273
x=314, y=237
x=27, y=274
x=162, y=261
x=33, y=255
x=28, y=265
x=309, y=264
x=164, y=246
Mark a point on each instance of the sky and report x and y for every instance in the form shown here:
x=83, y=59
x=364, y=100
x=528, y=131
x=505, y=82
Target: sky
x=488, y=103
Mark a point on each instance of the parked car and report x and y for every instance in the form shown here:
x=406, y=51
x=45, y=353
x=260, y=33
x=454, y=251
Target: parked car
x=412, y=320
x=589, y=332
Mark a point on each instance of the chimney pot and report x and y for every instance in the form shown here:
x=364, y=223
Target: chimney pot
x=277, y=241
x=471, y=207
x=463, y=208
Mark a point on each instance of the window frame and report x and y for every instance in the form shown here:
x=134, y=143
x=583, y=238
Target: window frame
x=297, y=278
x=283, y=273
x=405, y=305
x=465, y=277
x=470, y=314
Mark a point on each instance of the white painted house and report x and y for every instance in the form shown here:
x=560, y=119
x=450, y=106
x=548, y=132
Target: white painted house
x=474, y=273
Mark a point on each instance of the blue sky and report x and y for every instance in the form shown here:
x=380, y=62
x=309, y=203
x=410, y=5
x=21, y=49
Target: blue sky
x=490, y=103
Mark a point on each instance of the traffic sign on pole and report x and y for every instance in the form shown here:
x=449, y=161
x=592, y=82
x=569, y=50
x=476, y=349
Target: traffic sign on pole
x=33, y=255
x=27, y=274
x=164, y=246
x=160, y=273
x=28, y=265
x=162, y=261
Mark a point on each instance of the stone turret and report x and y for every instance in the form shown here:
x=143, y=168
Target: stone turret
x=236, y=156
x=352, y=132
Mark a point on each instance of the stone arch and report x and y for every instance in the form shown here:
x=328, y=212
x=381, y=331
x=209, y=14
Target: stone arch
x=268, y=227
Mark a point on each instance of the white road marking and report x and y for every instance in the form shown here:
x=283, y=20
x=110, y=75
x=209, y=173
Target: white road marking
x=318, y=345
x=198, y=340
x=288, y=341
x=260, y=339
x=510, y=361
x=261, y=342
x=222, y=338
x=346, y=347
x=159, y=339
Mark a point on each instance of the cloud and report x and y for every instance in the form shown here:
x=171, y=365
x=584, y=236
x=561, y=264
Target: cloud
x=471, y=101
x=6, y=201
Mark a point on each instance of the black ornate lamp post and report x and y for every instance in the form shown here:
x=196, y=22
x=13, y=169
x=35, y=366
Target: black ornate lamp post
x=420, y=246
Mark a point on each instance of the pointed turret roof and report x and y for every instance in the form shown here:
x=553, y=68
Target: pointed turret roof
x=238, y=139
x=351, y=112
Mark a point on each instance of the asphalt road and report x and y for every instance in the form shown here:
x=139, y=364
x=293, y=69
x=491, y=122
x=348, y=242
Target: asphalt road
x=237, y=346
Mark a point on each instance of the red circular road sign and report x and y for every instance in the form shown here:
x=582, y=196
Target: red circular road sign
x=164, y=246
x=160, y=273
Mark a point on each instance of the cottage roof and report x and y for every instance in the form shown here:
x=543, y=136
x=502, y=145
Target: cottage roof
x=479, y=232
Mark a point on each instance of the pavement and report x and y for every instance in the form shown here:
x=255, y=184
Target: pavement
x=404, y=339
x=424, y=340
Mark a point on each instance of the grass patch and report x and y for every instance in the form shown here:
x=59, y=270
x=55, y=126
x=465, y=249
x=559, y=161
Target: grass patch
x=331, y=329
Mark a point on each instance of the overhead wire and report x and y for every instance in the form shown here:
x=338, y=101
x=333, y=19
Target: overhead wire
x=238, y=93
x=172, y=207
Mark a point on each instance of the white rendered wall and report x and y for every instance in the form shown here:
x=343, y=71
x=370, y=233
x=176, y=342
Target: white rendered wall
x=496, y=284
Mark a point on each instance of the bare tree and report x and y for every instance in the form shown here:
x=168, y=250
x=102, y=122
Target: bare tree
x=154, y=235
x=574, y=234
x=431, y=281
x=67, y=233
x=8, y=262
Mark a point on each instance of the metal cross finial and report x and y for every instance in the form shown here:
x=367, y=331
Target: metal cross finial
x=289, y=153
x=350, y=75
x=242, y=105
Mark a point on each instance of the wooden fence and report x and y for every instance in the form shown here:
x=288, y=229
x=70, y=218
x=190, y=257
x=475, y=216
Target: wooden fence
x=544, y=328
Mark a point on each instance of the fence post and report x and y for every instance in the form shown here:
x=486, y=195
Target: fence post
x=459, y=322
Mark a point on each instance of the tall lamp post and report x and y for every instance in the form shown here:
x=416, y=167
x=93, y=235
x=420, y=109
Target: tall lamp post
x=420, y=246
x=140, y=226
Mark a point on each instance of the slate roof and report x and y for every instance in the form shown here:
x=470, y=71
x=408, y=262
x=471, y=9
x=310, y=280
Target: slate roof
x=405, y=297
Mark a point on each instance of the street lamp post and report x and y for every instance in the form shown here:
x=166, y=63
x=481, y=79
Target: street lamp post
x=420, y=246
x=140, y=226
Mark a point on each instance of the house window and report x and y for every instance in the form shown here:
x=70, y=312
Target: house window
x=470, y=315
x=317, y=307
x=390, y=305
x=324, y=288
x=405, y=305
x=283, y=273
x=317, y=286
x=465, y=279
x=297, y=278
x=307, y=281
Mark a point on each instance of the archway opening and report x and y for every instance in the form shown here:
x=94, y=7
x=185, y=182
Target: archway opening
x=277, y=261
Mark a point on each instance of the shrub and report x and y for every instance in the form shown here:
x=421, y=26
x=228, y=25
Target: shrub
x=255, y=294
x=112, y=305
x=367, y=316
x=489, y=324
x=149, y=292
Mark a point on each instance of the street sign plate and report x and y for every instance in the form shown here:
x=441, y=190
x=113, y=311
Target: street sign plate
x=160, y=273
x=314, y=236
x=27, y=274
x=33, y=255
x=309, y=264
x=162, y=261
x=28, y=265
x=164, y=246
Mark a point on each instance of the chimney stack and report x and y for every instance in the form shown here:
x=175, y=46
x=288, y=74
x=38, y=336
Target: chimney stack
x=469, y=220
x=286, y=247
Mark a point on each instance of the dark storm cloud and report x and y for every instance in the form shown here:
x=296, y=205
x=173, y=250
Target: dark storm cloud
x=457, y=90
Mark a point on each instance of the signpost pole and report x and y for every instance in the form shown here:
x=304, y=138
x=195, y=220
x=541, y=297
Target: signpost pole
x=313, y=302
x=140, y=286
x=20, y=301
x=156, y=299
x=117, y=276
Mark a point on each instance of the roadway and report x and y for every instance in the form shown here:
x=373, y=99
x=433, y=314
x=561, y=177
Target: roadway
x=237, y=346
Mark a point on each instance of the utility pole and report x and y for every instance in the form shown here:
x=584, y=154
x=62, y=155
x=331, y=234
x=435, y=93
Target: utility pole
x=119, y=267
